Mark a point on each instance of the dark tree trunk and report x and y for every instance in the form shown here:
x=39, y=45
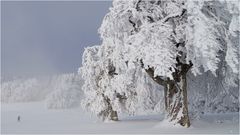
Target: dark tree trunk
x=175, y=94
x=108, y=113
x=176, y=101
x=113, y=116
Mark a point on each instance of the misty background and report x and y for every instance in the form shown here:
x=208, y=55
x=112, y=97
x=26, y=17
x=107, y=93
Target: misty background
x=47, y=37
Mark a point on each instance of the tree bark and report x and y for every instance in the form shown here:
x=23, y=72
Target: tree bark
x=176, y=101
x=114, y=116
x=108, y=113
x=175, y=94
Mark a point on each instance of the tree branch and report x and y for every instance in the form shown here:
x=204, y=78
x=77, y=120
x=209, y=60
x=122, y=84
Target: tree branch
x=150, y=72
x=157, y=79
x=174, y=16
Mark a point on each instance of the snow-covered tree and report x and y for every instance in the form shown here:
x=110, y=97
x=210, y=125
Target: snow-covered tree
x=94, y=71
x=166, y=40
x=65, y=92
x=58, y=91
x=21, y=90
x=107, y=93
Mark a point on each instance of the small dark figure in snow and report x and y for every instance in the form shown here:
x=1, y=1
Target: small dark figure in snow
x=18, y=118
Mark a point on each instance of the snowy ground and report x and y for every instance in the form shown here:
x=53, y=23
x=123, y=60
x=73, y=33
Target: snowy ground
x=35, y=118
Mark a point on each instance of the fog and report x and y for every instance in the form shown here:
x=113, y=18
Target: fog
x=42, y=38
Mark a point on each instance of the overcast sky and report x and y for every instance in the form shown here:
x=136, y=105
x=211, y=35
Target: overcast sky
x=48, y=37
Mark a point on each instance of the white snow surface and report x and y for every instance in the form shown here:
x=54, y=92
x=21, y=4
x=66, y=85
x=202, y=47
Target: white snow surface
x=36, y=119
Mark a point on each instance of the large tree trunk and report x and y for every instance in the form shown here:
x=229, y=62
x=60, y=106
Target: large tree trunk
x=108, y=113
x=175, y=93
x=176, y=101
x=114, y=116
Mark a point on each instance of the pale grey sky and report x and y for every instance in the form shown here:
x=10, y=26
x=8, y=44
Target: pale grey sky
x=48, y=37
